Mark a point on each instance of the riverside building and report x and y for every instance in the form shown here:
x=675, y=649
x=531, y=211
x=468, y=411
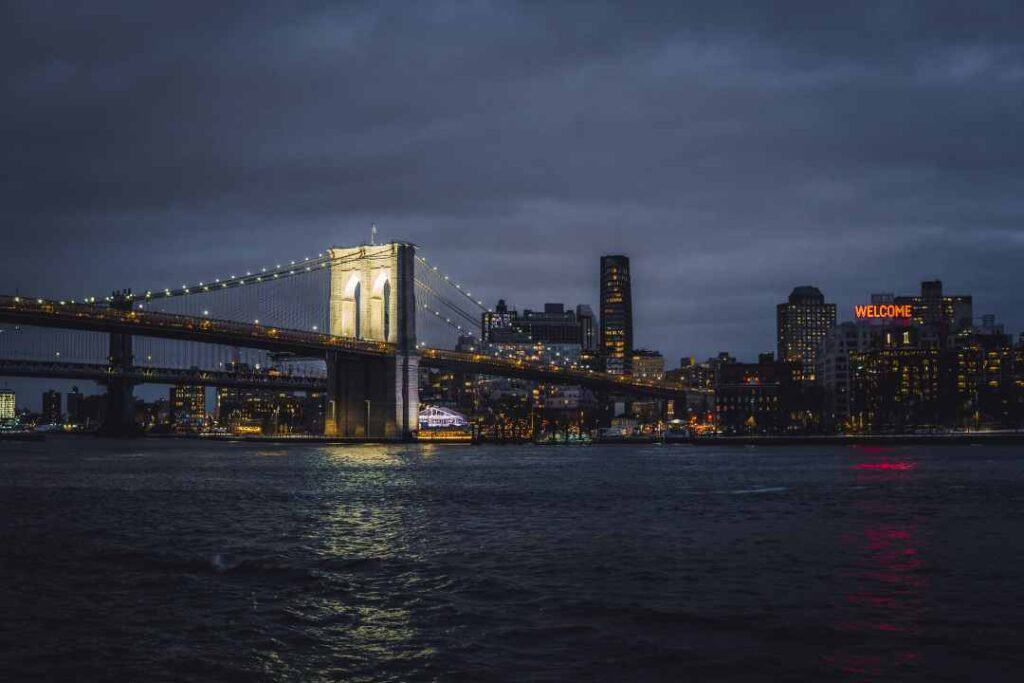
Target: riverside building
x=802, y=323
x=616, y=313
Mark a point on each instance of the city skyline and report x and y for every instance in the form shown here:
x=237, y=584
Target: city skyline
x=730, y=156
x=29, y=391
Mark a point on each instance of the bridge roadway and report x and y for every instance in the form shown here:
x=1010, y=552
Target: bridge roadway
x=65, y=315
x=99, y=372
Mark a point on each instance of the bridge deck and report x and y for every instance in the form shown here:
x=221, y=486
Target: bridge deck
x=46, y=313
x=99, y=372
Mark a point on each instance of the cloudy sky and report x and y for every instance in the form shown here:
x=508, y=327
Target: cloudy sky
x=732, y=149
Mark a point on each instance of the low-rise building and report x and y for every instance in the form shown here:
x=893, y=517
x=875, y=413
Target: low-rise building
x=648, y=365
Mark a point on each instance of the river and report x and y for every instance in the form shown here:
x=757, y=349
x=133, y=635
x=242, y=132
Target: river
x=180, y=559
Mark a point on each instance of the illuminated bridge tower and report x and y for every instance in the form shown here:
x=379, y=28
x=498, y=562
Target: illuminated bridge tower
x=373, y=297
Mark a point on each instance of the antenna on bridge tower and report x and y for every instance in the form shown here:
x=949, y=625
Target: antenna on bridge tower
x=373, y=234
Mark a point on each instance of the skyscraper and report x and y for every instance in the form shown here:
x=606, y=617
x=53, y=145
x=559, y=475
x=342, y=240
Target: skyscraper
x=616, y=313
x=7, y=400
x=803, y=322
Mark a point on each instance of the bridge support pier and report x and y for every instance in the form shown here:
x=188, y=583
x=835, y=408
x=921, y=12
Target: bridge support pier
x=373, y=297
x=120, y=417
x=376, y=399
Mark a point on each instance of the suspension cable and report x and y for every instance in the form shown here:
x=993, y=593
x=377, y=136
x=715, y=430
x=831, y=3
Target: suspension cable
x=441, y=316
x=459, y=288
x=264, y=275
x=469, y=318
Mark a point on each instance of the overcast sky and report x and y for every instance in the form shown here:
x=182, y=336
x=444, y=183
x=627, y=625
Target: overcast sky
x=732, y=149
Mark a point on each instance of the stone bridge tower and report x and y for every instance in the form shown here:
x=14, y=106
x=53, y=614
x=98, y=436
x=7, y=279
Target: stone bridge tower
x=373, y=297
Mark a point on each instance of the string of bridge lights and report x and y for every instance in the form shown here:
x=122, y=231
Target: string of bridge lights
x=430, y=291
x=441, y=316
x=463, y=291
x=268, y=274
x=293, y=268
x=251, y=277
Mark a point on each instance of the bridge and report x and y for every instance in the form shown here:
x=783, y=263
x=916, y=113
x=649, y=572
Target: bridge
x=365, y=303
x=103, y=373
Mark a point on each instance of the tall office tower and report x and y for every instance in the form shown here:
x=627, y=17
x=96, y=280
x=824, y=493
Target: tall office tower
x=51, y=407
x=7, y=400
x=803, y=322
x=616, y=314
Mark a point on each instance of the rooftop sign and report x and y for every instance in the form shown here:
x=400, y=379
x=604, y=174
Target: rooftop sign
x=883, y=311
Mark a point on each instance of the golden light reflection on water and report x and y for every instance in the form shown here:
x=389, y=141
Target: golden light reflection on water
x=364, y=549
x=380, y=454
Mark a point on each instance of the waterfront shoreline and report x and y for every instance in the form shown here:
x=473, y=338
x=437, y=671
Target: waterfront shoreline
x=971, y=438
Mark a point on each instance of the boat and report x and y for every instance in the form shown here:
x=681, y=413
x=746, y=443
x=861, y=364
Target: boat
x=562, y=439
x=622, y=436
x=677, y=432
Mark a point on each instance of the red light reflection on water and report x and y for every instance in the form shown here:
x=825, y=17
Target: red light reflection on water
x=900, y=466
x=881, y=606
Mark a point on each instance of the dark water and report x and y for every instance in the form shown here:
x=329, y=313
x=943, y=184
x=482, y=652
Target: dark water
x=182, y=560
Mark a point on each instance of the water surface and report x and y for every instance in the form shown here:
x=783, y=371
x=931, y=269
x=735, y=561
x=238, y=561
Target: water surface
x=165, y=559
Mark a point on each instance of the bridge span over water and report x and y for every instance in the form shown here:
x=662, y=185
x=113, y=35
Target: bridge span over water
x=370, y=345
x=103, y=373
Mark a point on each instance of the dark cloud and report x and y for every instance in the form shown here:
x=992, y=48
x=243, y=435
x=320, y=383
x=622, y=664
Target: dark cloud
x=733, y=149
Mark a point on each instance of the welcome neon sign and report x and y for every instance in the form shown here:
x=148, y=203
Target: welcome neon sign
x=883, y=311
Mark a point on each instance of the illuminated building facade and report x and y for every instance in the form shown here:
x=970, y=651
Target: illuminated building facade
x=7, y=407
x=989, y=378
x=188, y=407
x=259, y=411
x=616, y=313
x=755, y=398
x=802, y=323
x=693, y=374
x=498, y=323
x=553, y=325
x=832, y=369
x=897, y=387
x=649, y=365
x=948, y=313
x=918, y=362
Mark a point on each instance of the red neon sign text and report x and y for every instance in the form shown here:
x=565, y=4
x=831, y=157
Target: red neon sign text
x=882, y=311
